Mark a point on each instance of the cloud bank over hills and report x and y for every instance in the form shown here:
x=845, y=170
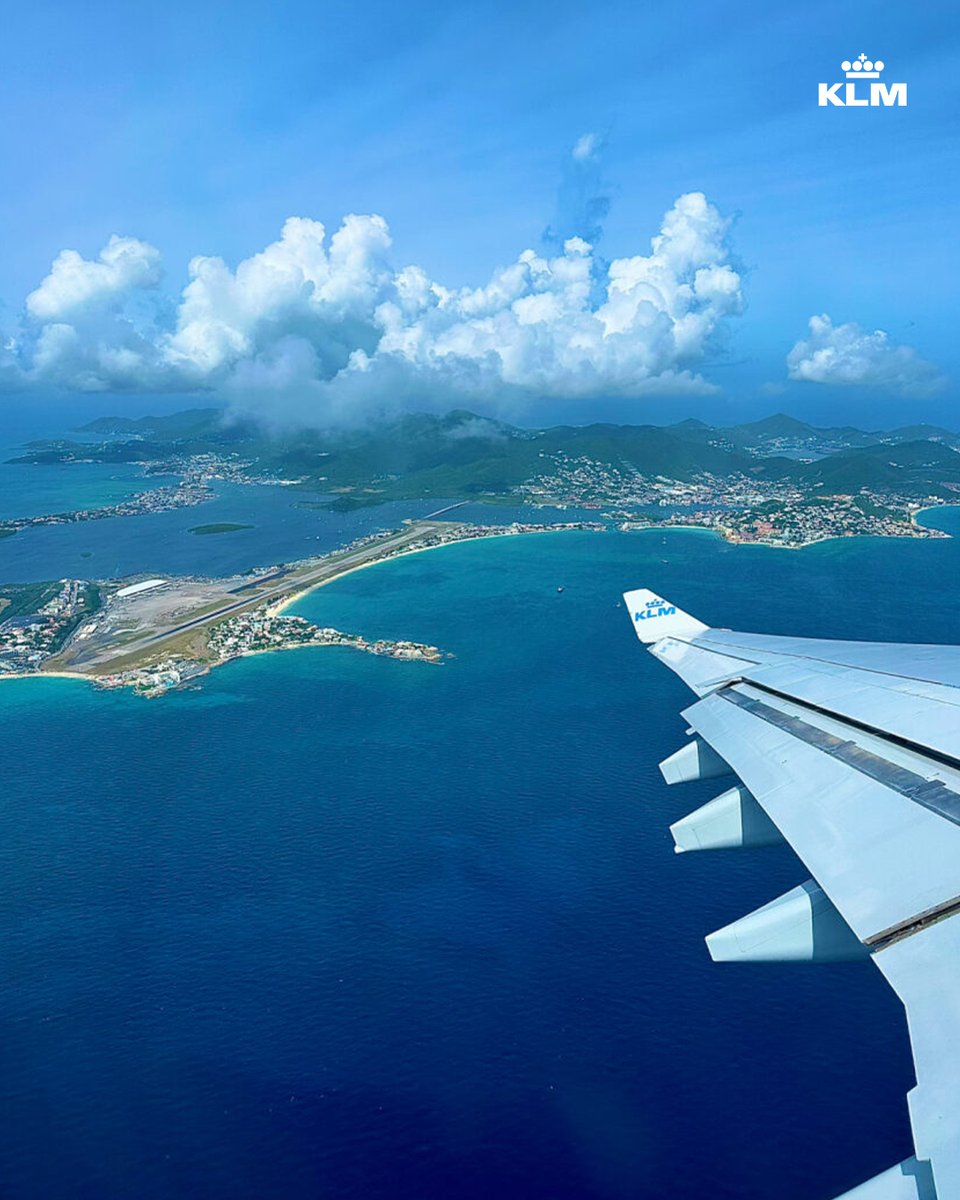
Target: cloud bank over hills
x=320, y=329
x=318, y=326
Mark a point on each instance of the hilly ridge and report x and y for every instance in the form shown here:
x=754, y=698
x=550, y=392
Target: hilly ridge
x=463, y=455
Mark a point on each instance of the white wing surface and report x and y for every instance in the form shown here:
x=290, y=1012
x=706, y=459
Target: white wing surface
x=850, y=751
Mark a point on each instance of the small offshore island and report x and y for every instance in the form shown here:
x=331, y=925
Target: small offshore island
x=218, y=527
x=153, y=635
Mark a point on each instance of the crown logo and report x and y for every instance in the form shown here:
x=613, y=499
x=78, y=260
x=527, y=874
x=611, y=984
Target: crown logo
x=862, y=68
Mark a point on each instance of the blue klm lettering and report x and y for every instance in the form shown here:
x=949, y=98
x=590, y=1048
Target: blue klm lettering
x=649, y=614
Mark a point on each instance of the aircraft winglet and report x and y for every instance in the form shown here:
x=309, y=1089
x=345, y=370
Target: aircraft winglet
x=655, y=618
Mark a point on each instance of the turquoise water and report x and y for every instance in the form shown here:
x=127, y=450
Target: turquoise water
x=330, y=925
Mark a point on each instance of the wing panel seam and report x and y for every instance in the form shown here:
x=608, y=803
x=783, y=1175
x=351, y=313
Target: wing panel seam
x=720, y=647
x=930, y=794
x=904, y=929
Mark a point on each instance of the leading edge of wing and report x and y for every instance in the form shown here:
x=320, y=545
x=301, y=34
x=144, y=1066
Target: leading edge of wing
x=911, y=693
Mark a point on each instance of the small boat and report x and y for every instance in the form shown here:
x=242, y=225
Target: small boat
x=559, y=589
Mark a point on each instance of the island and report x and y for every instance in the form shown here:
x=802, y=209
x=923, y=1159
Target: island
x=185, y=494
x=777, y=482
x=218, y=527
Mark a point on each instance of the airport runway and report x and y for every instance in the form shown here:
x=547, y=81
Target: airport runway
x=329, y=569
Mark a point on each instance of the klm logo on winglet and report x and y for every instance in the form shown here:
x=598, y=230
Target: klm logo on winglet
x=662, y=610
x=645, y=606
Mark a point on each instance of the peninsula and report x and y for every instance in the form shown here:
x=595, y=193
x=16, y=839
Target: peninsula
x=153, y=634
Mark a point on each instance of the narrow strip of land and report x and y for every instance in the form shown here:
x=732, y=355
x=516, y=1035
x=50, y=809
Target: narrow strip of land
x=303, y=579
x=155, y=633
x=143, y=626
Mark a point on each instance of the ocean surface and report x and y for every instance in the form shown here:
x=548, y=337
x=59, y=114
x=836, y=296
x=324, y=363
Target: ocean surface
x=335, y=926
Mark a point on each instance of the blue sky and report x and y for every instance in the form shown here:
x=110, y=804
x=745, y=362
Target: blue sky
x=198, y=129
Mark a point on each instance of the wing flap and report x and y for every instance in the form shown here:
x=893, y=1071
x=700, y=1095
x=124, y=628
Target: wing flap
x=861, y=838
x=910, y=1180
x=909, y=692
x=925, y=714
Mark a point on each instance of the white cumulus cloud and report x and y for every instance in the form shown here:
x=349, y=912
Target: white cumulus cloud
x=76, y=284
x=320, y=327
x=293, y=287
x=849, y=355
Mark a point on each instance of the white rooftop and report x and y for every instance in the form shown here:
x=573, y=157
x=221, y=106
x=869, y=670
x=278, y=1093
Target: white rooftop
x=145, y=585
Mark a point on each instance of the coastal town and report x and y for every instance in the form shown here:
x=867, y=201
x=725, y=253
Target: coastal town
x=185, y=494
x=39, y=625
x=777, y=482
x=202, y=469
x=264, y=629
x=153, y=633
x=737, y=507
x=794, y=524
x=197, y=473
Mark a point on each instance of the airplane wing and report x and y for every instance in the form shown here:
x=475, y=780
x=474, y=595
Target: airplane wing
x=850, y=751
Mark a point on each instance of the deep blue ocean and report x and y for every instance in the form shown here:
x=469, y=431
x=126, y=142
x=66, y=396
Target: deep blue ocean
x=334, y=926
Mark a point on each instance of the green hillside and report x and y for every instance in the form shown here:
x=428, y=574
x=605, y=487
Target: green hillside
x=913, y=468
x=463, y=455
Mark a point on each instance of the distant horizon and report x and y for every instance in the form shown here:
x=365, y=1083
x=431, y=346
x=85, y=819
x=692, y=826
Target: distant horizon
x=65, y=415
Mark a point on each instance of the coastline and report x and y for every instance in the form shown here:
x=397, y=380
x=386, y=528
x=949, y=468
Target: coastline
x=931, y=508
x=931, y=534
x=46, y=675
x=277, y=609
x=284, y=604
x=288, y=602
x=222, y=662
